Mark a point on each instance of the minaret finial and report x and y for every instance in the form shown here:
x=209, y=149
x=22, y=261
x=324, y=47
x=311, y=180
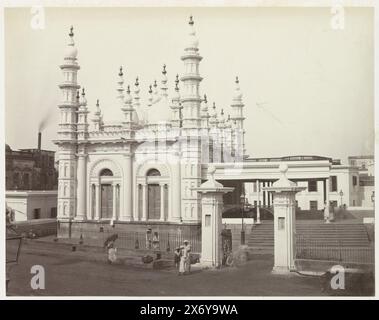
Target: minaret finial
x=150, y=89
x=177, y=83
x=214, y=105
x=97, y=103
x=164, y=70
x=128, y=90
x=155, y=83
x=191, y=21
x=120, y=73
x=83, y=92
x=237, y=80
x=77, y=95
x=137, y=82
x=71, y=34
x=205, y=99
x=222, y=112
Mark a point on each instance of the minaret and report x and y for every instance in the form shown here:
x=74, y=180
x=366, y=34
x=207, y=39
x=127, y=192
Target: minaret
x=204, y=114
x=136, y=103
x=150, y=96
x=82, y=127
x=97, y=119
x=120, y=88
x=214, y=133
x=175, y=106
x=164, y=83
x=237, y=106
x=128, y=110
x=191, y=82
x=191, y=129
x=81, y=174
x=67, y=132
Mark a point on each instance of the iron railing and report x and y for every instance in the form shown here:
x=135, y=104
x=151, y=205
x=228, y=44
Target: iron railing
x=167, y=241
x=333, y=250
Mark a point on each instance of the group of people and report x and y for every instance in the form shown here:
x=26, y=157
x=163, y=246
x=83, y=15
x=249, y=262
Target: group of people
x=182, y=258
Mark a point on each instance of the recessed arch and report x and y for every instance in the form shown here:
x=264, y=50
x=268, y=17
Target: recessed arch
x=153, y=173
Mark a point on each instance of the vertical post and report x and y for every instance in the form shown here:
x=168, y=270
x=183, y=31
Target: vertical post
x=211, y=220
x=284, y=222
x=81, y=188
x=259, y=202
x=97, y=202
x=162, y=217
x=144, y=202
x=127, y=212
x=114, y=218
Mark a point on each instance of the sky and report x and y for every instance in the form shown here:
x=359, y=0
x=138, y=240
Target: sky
x=308, y=89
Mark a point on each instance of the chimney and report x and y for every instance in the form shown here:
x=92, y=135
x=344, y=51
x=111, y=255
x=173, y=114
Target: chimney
x=39, y=141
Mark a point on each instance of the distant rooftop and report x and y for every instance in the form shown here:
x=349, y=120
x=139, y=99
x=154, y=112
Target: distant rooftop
x=294, y=158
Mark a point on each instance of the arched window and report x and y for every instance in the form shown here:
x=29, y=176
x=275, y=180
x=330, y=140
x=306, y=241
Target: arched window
x=106, y=173
x=153, y=173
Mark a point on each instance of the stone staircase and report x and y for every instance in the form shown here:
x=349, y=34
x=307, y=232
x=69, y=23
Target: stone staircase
x=344, y=234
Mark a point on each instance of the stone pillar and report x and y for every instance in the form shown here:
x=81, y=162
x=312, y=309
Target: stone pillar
x=259, y=202
x=144, y=202
x=211, y=220
x=175, y=192
x=127, y=212
x=162, y=217
x=97, y=202
x=327, y=204
x=284, y=222
x=114, y=216
x=81, y=188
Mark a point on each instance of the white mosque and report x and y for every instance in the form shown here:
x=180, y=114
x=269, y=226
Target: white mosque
x=142, y=170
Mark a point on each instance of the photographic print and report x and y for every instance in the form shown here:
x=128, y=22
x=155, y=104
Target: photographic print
x=189, y=151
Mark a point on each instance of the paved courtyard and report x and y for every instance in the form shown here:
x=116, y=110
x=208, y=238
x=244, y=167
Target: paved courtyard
x=70, y=274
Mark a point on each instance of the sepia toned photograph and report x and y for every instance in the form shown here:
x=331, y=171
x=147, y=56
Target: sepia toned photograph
x=189, y=151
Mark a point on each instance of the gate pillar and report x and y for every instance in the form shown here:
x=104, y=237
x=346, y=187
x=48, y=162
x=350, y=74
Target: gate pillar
x=211, y=220
x=284, y=192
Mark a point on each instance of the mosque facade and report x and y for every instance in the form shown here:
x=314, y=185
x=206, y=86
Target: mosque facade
x=144, y=168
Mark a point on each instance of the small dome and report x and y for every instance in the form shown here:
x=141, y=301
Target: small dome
x=193, y=42
x=71, y=52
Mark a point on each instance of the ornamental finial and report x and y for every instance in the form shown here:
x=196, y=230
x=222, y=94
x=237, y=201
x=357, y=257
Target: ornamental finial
x=191, y=21
x=128, y=90
x=150, y=90
x=71, y=34
x=83, y=92
x=137, y=82
x=205, y=99
x=77, y=95
x=222, y=112
x=120, y=73
x=237, y=80
x=155, y=83
x=214, y=105
x=164, y=70
x=97, y=103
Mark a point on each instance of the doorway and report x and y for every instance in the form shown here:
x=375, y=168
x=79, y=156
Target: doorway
x=154, y=202
x=106, y=201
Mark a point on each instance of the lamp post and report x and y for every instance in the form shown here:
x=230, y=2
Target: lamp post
x=341, y=195
x=242, y=202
